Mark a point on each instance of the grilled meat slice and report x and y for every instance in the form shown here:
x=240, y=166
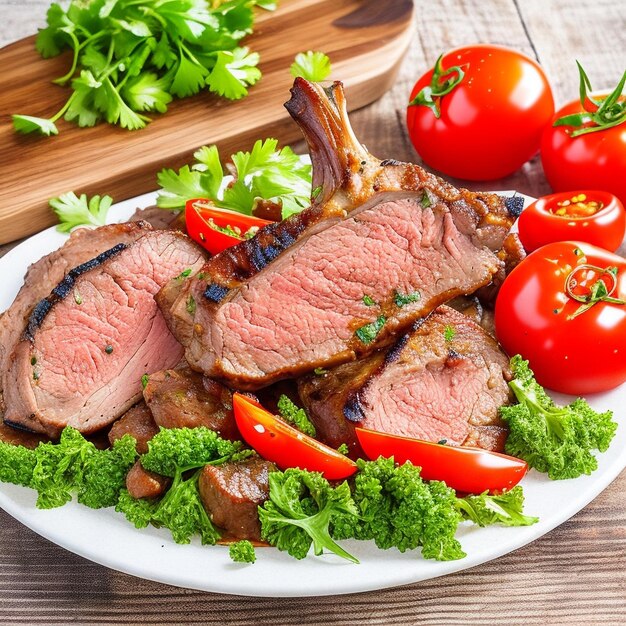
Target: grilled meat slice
x=83, y=244
x=138, y=423
x=445, y=380
x=183, y=398
x=231, y=494
x=291, y=299
x=87, y=345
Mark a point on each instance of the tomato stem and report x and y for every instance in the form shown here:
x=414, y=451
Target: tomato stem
x=598, y=291
x=607, y=112
x=442, y=83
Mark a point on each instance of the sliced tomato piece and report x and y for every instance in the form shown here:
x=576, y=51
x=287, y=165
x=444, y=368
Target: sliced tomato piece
x=277, y=441
x=596, y=217
x=470, y=470
x=217, y=229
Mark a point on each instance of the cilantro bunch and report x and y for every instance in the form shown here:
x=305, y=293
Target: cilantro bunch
x=131, y=57
x=265, y=172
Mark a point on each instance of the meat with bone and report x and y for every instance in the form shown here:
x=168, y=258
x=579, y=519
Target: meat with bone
x=292, y=298
x=446, y=379
x=183, y=398
x=231, y=494
x=87, y=345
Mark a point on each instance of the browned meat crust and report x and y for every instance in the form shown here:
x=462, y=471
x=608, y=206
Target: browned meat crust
x=231, y=494
x=445, y=380
x=183, y=398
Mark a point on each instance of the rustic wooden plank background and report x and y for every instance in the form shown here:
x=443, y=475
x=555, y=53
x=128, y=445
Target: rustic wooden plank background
x=574, y=575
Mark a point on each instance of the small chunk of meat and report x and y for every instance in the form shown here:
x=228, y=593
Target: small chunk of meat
x=231, y=494
x=183, y=398
x=142, y=483
x=137, y=422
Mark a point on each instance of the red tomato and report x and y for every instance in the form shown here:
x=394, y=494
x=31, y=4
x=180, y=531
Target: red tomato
x=540, y=315
x=284, y=445
x=470, y=470
x=491, y=122
x=596, y=217
x=595, y=160
x=217, y=229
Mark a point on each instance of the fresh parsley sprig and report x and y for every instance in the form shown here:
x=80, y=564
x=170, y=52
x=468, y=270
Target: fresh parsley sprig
x=131, y=57
x=73, y=210
x=313, y=66
x=264, y=173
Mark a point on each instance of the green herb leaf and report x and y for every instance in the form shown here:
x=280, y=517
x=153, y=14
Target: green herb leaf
x=505, y=508
x=312, y=66
x=449, y=333
x=301, y=510
x=233, y=73
x=75, y=211
x=368, y=301
x=29, y=124
x=264, y=173
x=295, y=416
x=401, y=300
x=396, y=508
x=369, y=332
x=140, y=53
x=553, y=439
x=191, y=305
x=242, y=552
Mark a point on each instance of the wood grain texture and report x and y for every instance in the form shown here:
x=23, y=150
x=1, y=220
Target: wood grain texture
x=365, y=48
x=576, y=574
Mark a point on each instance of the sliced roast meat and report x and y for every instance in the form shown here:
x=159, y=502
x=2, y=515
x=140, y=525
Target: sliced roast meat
x=87, y=345
x=83, y=244
x=231, y=494
x=138, y=423
x=183, y=398
x=292, y=298
x=445, y=380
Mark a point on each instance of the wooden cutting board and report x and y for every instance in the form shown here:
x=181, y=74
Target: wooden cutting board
x=365, y=40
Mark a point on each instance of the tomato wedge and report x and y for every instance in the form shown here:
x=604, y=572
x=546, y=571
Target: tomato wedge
x=217, y=229
x=596, y=217
x=284, y=445
x=470, y=470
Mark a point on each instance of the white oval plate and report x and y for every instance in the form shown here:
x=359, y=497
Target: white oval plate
x=107, y=538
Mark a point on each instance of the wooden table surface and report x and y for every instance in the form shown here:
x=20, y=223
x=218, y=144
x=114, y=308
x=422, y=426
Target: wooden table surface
x=575, y=574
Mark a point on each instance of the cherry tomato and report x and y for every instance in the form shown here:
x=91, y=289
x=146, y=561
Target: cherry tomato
x=284, y=445
x=470, y=470
x=217, y=229
x=491, y=122
x=563, y=309
x=596, y=217
x=596, y=160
